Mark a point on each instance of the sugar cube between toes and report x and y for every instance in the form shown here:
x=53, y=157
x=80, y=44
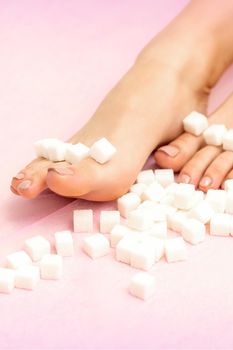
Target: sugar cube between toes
x=213, y=135
x=83, y=220
x=64, y=243
x=127, y=203
x=36, y=247
x=175, y=249
x=75, y=153
x=42, y=147
x=195, y=123
x=27, y=277
x=51, y=267
x=142, y=285
x=18, y=259
x=108, y=219
x=96, y=245
x=102, y=151
x=7, y=280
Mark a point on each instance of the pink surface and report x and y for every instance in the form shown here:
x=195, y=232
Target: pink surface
x=58, y=59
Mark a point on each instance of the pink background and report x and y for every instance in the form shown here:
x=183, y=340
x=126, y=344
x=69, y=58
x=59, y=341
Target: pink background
x=58, y=59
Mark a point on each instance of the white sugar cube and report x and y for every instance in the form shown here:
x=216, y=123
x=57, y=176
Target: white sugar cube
x=124, y=248
x=138, y=188
x=164, y=176
x=64, y=243
x=158, y=211
x=142, y=256
x=175, y=220
x=228, y=140
x=171, y=189
x=117, y=233
x=221, y=224
x=108, y=219
x=27, y=277
x=195, y=123
x=142, y=286
x=184, y=196
x=75, y=153
x=127, y=203
x=96, y=245
x=56, y=151
x=146, y=177
x=213, y=135
x=153, y=192
x=140, y=219
x=102, y=151
x=228, y=185
x=51, y=267
x=159, y=229
x=7, y=280
x=201, y=212
x=193, y=231
x=18, y=259
x=36, y=247
x=175, y=249
x=216, y=199
x=168, y=199
x=83, y=220
x=42, y=146
x=229, y=202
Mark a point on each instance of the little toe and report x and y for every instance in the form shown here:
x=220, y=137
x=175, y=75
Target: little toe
x=217, y=171
x=194, y=169
x=178, y=152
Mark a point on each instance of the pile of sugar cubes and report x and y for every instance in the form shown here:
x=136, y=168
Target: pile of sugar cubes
x=139, y=229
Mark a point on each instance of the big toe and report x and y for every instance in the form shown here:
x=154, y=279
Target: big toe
x=178, y=152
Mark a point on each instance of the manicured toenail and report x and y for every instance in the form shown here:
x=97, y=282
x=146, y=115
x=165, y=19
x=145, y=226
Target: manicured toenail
x=205, y=181
x=62, y=170
x=170, y=150
x=19, y=176
x=24, y=185
x=184, y=178
x=13, y=190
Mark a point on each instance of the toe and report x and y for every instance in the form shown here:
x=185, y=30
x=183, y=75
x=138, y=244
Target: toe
x=32, y=180
x=217, y=171
x=178, y=152
x=194, y=169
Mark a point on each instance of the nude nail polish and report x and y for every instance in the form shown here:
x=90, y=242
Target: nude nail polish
x=184, y=178
x=205, y=181
x=19, y=176
x=170, y=150
x=62, y=170
x=24, y=185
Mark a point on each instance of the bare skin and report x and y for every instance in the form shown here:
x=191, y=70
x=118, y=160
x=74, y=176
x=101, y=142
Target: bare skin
x=172, y=76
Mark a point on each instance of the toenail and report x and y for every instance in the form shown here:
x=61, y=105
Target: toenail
x=19, y=176
x=62, y=170
x=24, y=185
x=205, y=181
x=170, y=150
x=13, y=190
x=184, y=178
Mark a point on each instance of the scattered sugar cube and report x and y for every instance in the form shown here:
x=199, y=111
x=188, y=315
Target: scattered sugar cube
x=184, y=196
x=153, y=192
x=220, y=224
x=127, y=203
x=36, y=247
x=201, y=212
x=51, y=267
x=102, y=151
x=18, y=259
x=195, y=123
x=83, y=220
x=124, y=248
x=168, y=199
x=158, y=211
x=75, y=153
x=217, y=200
x=108, y=219
x=159, y=229
x=175, y=249
x=171, y=189
x=213, y=135
x=228, y=185
x=117, y=233
x=164, y=176
x=138, y=188
x=175, y=220
x=64, y=243
x=27, y=277
x=7, y=280
x=142, y=256
x=229, y=202
x=193, y=231
x=140, y=220
x=146, y=177
x=142, y=285
x=96, y=245
x=228, y=140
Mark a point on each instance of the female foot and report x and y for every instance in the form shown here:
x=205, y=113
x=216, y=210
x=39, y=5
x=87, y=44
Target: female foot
x=203, y=165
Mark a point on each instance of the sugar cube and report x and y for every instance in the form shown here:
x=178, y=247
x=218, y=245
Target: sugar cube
x=96, y=245
x=18, y=259
x=75, y=153
x=195, y=123
x=184, y=196
x=228, y=140
x=146, y=177
x=124, y=248
x=216, y=199
x=229, y=202
x=213, y=135
x=127, y=203
x=175, y=249
x=42, y=146
x=64, y=243
x=193, y=231
x=27, y=277
x=201, y=212
x=102, y=151
x=108, y=219
x=164, y=176
x=142, y=285
x=56, y=151
x=153, y=192
x=159, y=229
x=138, y=188
x=142, y=256
x=36, y=247
x=140, y=219
x=228, y=185
x=83, y=220
x=220, y=224
x=175, y=220
x=7, y=280
x=117, y=233
x=158, y=211
x=51, y=267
